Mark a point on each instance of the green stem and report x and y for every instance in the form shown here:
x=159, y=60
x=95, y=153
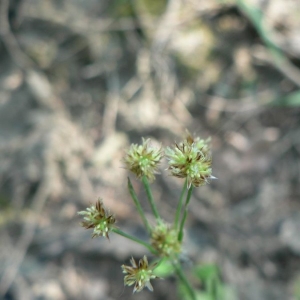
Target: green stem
x=138, y=205
x=187, y=200
x=184, y=280
x=130, y=237
x=180, y=234
x=188, y=197
x=180, y=203
x=150, y=197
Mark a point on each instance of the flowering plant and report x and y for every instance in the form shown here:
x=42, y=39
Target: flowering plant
x=190, y=160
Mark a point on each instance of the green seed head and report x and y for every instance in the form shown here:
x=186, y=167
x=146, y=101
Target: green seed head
x=143, y=160
x=98, y=218
x=139, y=274
x=164, y=239
x=190, y=159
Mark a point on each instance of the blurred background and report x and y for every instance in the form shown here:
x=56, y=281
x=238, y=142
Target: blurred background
x=81, y=80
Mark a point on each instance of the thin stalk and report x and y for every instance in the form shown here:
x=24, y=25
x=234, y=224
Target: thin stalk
x=188, y=197
x=180, y=203
x=130, y=237
x=138, y=205
x=180, y=233
x=150, y=197
x=184, y=281
x=187, y=200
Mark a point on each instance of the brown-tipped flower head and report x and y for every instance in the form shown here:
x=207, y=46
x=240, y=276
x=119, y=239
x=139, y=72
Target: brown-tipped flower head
x=139, y=274
x=143, y=159
x=99, y=218
x=190, y=159
x=164, y=239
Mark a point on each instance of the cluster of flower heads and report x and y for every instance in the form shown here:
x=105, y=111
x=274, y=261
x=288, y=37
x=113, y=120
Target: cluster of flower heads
x=139, y=274
x=98, y=218
x=189, y=159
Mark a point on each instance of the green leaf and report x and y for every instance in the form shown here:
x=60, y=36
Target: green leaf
x=206, y=272
x=214, y=289
x=164, y=269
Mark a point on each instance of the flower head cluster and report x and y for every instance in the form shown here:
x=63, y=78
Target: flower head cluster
x=190, y=159
x=139, y=274
x=99, y=218
x=143, y=160
x=164, y=239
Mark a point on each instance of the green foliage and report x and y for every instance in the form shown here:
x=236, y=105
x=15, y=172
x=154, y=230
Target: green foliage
x=164, y=268
x=212, y=286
